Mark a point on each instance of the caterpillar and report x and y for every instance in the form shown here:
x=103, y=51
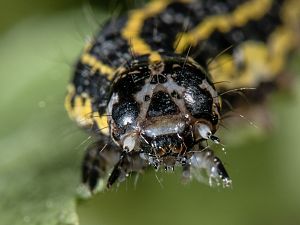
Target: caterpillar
x=149, y=86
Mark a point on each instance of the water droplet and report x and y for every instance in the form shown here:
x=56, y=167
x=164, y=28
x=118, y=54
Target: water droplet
x=26, y=219
x=42, y=104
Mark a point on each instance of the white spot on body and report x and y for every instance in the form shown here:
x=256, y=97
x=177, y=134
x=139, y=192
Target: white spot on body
x=114, y=99
x=127, y=120
x=129, y=142
x=204, y=131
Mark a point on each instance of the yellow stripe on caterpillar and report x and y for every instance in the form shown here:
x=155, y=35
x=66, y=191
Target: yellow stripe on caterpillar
x=82, y=113
x=97, y=65
x=101, y=122
x=251, y=10
x=131, y=32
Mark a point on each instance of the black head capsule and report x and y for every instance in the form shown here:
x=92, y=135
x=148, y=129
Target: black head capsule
x=164, y=119
x=169, y=114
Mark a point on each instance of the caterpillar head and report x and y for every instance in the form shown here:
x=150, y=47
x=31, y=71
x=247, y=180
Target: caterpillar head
x=163, y=108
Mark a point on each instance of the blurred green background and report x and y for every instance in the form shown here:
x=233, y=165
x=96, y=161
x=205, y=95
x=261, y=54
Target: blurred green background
x=41, y=149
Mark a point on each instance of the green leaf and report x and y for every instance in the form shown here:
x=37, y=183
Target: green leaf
x=40, y=147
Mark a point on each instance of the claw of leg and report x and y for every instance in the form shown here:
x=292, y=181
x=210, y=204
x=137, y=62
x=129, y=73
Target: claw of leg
x=211, y=165
x=221, y=171
x=115, y=174
x=113, y=177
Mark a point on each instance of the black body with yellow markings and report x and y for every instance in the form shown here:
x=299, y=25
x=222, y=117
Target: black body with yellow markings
x=148, y=85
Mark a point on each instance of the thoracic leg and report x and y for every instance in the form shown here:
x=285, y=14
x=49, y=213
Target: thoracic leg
x=212, y=165
x=102, y=158
x=129, y=162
